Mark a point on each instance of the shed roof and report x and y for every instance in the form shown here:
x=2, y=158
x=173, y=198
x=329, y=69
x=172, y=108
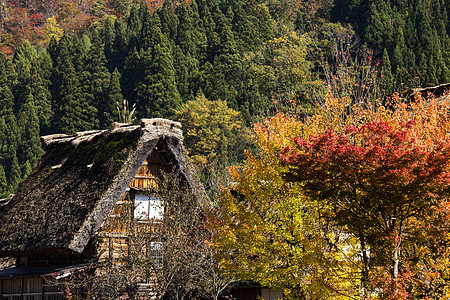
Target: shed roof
x=41, y=271
x=64, y=201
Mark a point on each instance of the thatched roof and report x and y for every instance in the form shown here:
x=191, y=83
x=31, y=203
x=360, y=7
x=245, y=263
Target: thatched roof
x=65, y=200
x=437, y=91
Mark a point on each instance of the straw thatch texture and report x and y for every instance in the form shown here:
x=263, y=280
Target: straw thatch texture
x=65, y=200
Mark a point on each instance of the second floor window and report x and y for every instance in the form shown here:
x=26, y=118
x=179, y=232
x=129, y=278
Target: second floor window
x=148, y=207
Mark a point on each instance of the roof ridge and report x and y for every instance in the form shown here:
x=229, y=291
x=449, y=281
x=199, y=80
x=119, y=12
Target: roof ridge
x=157, y=124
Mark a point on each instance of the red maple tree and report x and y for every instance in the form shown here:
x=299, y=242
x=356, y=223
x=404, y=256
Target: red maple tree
x=376, y=181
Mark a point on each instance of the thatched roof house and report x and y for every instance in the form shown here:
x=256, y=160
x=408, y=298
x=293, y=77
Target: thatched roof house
x=437, y=91
x=68, y=196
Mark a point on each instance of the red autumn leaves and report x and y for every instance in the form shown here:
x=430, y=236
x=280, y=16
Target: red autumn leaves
x=377, y=180
x=373, y=161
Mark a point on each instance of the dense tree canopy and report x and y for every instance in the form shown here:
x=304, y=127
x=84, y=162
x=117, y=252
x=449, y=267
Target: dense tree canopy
x=367, y=190
x=155, y=56
x=376, y=179
x=255, y=56
x=414, y=34
x=269, y=231
x=374, y=224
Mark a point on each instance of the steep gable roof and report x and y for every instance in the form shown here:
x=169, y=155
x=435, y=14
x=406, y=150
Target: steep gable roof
x=65, y=200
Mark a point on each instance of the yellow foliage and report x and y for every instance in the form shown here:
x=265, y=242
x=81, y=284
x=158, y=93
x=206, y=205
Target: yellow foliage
x=274, y=233
x=52, y=29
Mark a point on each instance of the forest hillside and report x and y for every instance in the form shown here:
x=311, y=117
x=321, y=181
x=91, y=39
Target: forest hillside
x=329, y=178
x=69, y=66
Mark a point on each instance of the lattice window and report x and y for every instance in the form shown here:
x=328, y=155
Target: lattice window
x=156, y=254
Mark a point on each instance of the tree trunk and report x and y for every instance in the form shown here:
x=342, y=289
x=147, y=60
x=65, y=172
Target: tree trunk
x=396, y=262
x=396, y=256
x=365, y=271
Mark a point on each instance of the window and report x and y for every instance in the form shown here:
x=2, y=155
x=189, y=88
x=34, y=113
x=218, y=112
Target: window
x=146, y=207
x=156, y=254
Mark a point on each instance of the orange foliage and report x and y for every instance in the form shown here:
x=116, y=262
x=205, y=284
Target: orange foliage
x=67, y=8
x=431, y=116
x=155, y=4
x=6, y=44
x=19, y=25
x=7, y=50
x=425, y=258
x=78, y=22
x=25, y=20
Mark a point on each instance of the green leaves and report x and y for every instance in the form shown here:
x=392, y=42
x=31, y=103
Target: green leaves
x=214, y=138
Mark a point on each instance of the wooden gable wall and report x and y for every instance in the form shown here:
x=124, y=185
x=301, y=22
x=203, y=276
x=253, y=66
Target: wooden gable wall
x=114, y=234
